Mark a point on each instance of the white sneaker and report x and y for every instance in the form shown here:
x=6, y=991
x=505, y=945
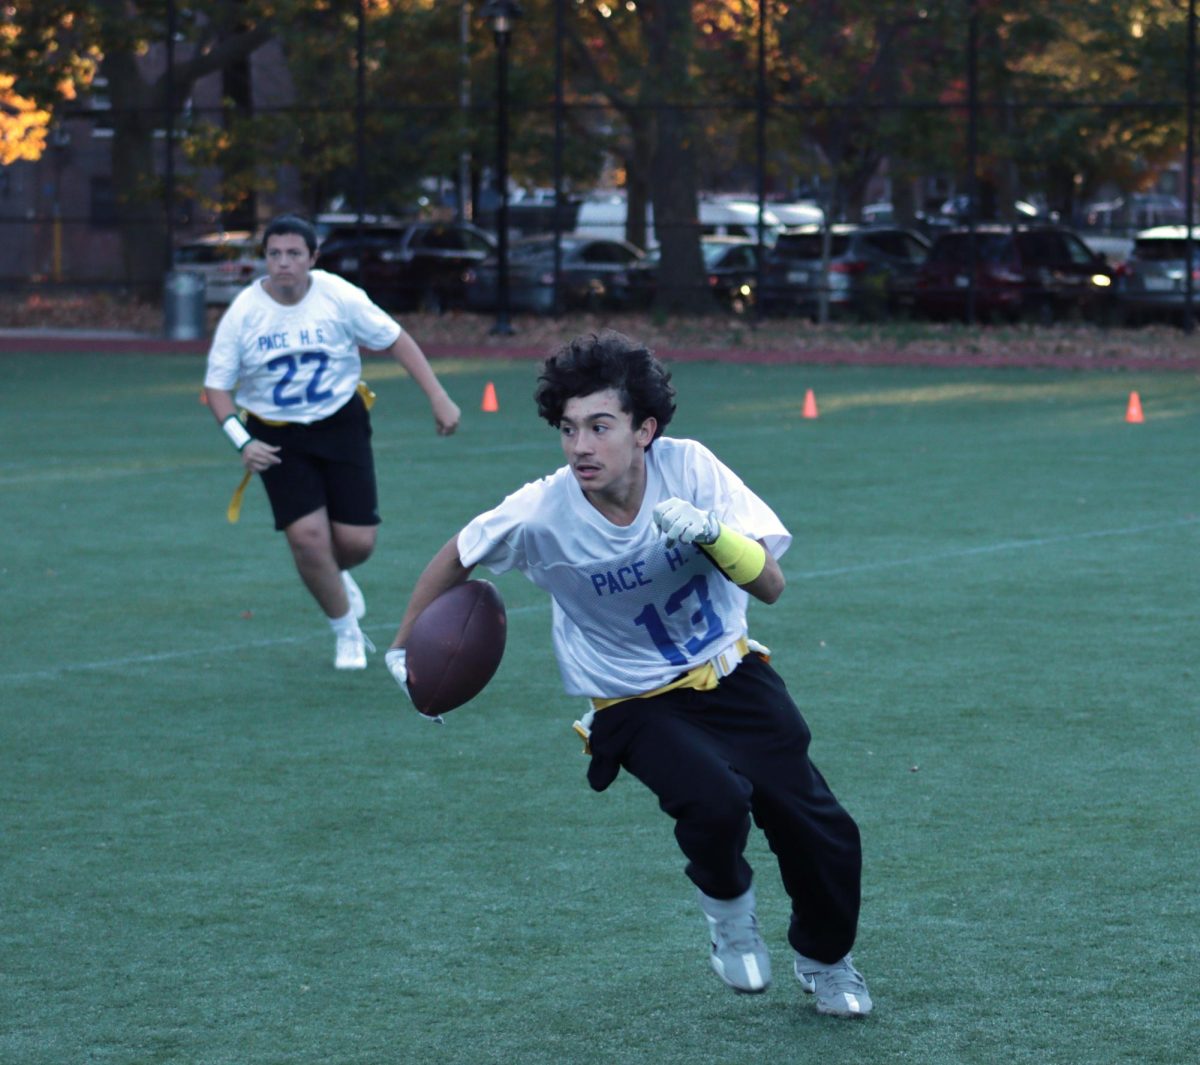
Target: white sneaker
x=352, y=648
x=739, y=956
x=358, y=602
x=839, y=988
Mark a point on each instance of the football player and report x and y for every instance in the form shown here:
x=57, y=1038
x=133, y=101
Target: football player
x=651, y=548
x=287, y=352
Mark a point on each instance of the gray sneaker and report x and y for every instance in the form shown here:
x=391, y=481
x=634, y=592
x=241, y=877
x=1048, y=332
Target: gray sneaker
x=739, y=956
x=840, y=988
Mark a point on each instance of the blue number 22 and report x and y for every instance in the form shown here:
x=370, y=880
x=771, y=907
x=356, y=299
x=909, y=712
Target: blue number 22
x=649, y=618
x=287, y=363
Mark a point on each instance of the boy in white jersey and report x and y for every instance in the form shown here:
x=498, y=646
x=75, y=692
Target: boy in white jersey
x=650, y=549
x=289, y=346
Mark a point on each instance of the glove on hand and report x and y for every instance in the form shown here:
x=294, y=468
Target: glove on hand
x=679, y=520
x=396, y=660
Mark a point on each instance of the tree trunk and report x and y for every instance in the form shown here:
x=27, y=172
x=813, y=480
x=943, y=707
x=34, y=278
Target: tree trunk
x=137, y=190
x=138, y=109
x=237, y=86
x=681, y=287
x=637, y=179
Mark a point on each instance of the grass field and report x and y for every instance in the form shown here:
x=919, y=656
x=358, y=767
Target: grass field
x=215, y=849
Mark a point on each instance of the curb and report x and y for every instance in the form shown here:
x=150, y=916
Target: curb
x=82, y=342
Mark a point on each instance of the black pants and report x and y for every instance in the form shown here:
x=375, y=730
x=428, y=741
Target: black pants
x=717, y=758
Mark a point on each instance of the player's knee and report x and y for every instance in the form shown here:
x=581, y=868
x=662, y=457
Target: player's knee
x=353, y=550
x=308, y=544
x=717, y=808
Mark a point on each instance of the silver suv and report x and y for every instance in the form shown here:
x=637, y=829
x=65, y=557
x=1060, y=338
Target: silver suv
x=227, y=261
x=1153, y=281
x=871, y=270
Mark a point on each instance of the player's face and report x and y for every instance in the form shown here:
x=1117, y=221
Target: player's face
x=288, y=264
x=605, y=450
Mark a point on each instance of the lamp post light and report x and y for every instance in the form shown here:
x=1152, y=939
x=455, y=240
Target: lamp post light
x=501, y=14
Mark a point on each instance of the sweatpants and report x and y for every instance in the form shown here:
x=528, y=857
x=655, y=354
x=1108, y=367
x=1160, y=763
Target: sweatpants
x=715, y=759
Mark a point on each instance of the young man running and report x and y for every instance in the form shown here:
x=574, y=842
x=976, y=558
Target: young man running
x=650, y=549
x=289, y=346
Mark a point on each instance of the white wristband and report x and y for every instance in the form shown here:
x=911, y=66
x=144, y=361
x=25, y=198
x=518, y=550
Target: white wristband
x=236, y=431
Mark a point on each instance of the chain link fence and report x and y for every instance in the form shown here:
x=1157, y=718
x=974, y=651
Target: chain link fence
x=953, y=151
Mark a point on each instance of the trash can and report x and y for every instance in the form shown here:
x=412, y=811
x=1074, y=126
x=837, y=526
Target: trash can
x=184, y=310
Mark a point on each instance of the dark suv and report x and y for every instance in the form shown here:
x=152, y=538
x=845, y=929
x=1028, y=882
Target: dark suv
x=1038, y=273
x=870, y=270
x=414, y=265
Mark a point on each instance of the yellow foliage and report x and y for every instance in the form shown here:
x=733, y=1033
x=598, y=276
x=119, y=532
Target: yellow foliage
x=23, y=125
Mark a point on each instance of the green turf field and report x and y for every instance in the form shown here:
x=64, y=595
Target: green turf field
x=215, y=849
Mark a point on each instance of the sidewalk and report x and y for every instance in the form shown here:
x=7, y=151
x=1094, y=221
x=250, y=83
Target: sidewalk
x=99, y=341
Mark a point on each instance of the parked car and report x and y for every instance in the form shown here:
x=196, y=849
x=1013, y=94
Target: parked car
x=872, y=270
x=329, y=221
x=589, y=265
x=730, y=274
x=412, y=265
x=228, y=262
x=800, y=213
x=1039, y=273
x=1139, y=210
x=604, y=216
x=738, y=218
x=1153, y=282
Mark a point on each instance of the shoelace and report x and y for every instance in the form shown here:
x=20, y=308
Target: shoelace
x=365, y=639
x=842, y=978
x=738, y=933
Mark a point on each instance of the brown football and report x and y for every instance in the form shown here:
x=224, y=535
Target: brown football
x=455, y=647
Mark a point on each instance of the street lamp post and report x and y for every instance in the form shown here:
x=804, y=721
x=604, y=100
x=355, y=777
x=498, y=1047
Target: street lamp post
x=502, y=14
x=60, y=143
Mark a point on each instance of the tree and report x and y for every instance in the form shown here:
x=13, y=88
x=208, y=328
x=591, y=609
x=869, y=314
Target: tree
x=55, y=49
x=847, y=74
x=641, y=58
x=1121, y=69
x=23, y=125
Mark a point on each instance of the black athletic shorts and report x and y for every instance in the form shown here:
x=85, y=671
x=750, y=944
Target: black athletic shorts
x=326, y=464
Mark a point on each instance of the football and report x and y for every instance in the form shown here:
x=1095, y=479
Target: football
x=455, y=647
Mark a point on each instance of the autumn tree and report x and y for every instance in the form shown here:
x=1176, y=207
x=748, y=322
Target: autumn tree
x=640, y=58
x=1118, y=73
x=55, y=49
x=23, y=125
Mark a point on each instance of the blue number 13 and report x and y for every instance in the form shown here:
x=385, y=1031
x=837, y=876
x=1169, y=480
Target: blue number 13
x=649, y=618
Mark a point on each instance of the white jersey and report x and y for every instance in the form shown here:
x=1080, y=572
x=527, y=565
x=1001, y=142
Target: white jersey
x=630, y=614
x=297, y=363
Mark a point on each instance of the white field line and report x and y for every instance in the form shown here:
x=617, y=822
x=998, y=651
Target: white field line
x=989, y=549
x=316, y=635
x=840, y=571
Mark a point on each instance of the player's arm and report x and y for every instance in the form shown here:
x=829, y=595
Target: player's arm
x=407, y=352
x=767, y=586
x=443, y=572
x=256, y=455
x=744, y=561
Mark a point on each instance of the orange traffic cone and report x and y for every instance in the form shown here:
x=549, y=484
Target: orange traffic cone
x=489, y=398
x=1133, y=413
x=810, y=405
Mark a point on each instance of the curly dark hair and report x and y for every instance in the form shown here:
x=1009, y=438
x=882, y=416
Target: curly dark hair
x=294, y=224
x=608, y=359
